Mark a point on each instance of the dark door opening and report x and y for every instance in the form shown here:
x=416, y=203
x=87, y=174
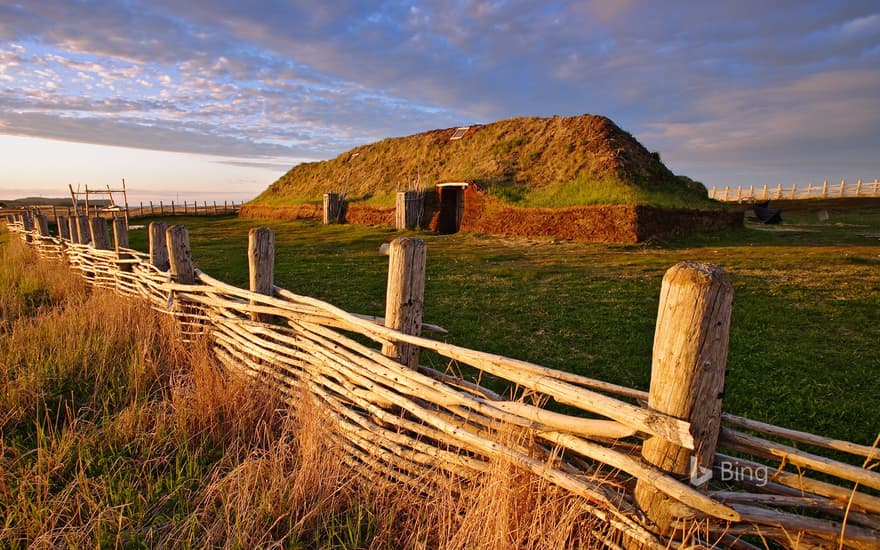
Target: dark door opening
x=451, y=209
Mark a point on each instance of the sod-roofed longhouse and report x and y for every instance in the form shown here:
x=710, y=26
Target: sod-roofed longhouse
x=572, y=177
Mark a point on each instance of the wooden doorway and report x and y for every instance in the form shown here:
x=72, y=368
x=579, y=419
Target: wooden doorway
x=451, y=206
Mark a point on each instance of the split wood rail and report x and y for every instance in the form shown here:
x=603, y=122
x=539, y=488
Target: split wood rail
x=794, y=191
x=664, y=468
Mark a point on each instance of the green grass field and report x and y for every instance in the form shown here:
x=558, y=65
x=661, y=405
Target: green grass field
x=804, y=347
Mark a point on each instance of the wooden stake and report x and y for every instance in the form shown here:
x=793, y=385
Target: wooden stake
x=687, y=377
x=82, y=230
x=100, y=233
x=120, y=233
x=405, y=299
x=42, y=225
x=261, y=264
x=73, y=229
x=179, y=255
x=63, y=227
x=158, y=248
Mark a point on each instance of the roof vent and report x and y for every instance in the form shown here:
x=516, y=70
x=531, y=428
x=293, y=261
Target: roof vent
x=459, y=132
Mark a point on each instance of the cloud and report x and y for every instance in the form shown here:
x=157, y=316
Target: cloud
x=709, y=84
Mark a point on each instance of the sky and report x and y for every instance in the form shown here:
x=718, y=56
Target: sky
x=217, y=99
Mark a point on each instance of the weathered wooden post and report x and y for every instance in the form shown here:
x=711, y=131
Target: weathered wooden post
x=120, y=233
x=82, y=229
x=261, y=265
x=63, y=227
x=152, y=212
x=173, y=212
x=215, y=208
x=687, y=378
x=179, y=255
x=27, y=223
x=42, y=225
x=161, y=208
x=331, y=208
x=405, y=298
x=74, y=229
x=120, y=240
x=842, y=191
x=408, y=204
x=825, y=189
x=100, y=233
x=158, y=248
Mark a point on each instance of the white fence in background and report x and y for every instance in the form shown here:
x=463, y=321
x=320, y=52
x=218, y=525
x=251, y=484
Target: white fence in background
x=824, y=190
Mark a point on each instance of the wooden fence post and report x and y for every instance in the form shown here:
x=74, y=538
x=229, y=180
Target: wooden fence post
x=74, y=229
x=161, y=208
x=842, y=188
x=28, y=223
x=120, y=233
x=173, y=209
x=42, y=225
x=179, y=255
x=825, y=189
x=687, y=379
x=158, y=248
x=82, y=229
x=261, y=266
x=859, y=188
x=100, y=233
x=215, y=208
x=405, y=298
x=63, y=227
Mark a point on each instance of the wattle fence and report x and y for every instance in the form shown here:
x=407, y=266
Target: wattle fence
x=664, y=469
x=780, y=192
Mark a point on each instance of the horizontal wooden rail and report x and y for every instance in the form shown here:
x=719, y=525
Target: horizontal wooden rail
x=781, y=192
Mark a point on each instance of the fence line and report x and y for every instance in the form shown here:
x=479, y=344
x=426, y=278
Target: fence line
x=628, y=456
x=797, y=192
x=158, y=208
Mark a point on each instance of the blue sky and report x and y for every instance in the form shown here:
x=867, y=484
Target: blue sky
x=204, y=99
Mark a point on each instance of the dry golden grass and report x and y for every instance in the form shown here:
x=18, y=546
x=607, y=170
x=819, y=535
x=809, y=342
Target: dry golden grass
x=113, y=433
